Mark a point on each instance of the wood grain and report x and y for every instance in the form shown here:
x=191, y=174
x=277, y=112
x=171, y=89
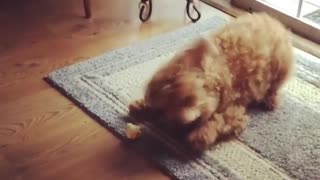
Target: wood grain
x=43, y=135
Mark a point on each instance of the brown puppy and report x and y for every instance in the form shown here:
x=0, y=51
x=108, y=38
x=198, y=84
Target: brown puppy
x=213, y=82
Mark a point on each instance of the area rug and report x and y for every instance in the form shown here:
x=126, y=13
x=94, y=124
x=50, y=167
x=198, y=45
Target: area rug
x=284, y=144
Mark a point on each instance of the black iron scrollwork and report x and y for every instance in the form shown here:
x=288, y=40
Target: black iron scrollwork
x=145, y=10
x=190, y=4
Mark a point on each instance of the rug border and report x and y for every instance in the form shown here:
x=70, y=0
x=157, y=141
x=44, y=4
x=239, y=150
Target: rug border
x=68, y=74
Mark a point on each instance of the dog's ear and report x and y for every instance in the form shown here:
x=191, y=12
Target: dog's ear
x=194, y=56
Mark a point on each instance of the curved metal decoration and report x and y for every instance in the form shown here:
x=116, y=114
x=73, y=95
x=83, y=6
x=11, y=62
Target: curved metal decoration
x=145, y=5
x=190, y=4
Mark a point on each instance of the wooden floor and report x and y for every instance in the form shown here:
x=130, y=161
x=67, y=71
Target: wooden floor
x=43, y=135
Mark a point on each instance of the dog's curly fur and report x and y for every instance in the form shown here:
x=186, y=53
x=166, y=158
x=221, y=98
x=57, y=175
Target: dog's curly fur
x=212, y=83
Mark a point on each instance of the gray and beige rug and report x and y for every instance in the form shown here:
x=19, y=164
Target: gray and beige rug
x=284, y=144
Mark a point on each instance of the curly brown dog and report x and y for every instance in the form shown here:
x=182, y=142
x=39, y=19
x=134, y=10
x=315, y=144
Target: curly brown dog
x=213, y=82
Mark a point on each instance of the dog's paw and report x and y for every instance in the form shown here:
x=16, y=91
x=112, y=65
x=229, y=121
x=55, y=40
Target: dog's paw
x=201, y=139
x=271, y=103
x=238, y=131
x=197, y=142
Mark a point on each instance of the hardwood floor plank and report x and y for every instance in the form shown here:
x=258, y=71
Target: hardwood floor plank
x=52, y=136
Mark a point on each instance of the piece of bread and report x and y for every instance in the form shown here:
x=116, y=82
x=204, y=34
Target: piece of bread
x=133, y=131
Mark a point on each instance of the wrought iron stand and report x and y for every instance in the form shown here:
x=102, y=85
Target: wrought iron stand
x=145, y=7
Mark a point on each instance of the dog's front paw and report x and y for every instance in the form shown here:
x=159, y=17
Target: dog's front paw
x=201, y=139
x=238, y=131
x=197, y=142
x=271, y=103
